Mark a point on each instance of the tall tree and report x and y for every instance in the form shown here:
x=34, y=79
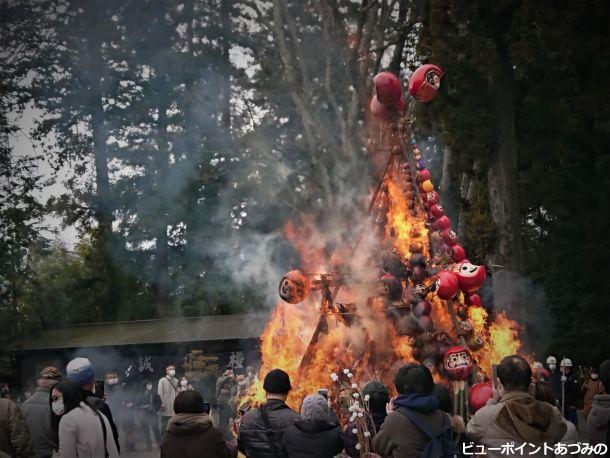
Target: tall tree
x=74, y=86
x=20, y=213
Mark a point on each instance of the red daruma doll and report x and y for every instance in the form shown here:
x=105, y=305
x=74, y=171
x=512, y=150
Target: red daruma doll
x=458, y=363
x=458, y=366
x=425, y=82
x=294, y=287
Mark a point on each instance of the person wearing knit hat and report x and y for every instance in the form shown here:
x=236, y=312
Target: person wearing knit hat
x=81, y=371
x=277, y=381
x=316, y=434
x=253, y=439
x=37, y=413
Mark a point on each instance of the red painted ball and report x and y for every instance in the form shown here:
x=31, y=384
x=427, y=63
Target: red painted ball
x=437, y=210
x=447, y=285
x=424, y=175
x=470, y=277
x=431, y=198
x=442, y=223
x=388, y=89
x=450, y=237
x=458, y=253
x=480, y=393
x=474, y=300
x=425, y=82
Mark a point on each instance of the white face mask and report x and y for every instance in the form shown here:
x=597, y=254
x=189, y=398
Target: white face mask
x=183, y=382
x=58, y=407
x=148, y=387
x=594, y=376
x=113, y=381
x=172, y=372
x=552, y=366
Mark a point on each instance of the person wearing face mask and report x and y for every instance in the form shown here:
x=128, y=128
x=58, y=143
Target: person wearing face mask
x=598, y=422
x=148, y=405
x=554, y=376
x=37, y=413
x=82, y=372
x=592, y=388
x=112, y=394
x=82, y=429
x=117, y=396
x=570, y=390
x=167, y=391
x=517, y=417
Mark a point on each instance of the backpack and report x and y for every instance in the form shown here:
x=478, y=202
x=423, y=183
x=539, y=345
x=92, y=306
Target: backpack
x=441, y=443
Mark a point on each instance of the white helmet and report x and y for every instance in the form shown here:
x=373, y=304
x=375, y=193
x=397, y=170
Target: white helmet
x=565, y=362
x=551, y=360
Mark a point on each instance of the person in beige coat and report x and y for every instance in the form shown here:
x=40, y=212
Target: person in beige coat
x=83, y=430
x=167, y=390
x=517, y=417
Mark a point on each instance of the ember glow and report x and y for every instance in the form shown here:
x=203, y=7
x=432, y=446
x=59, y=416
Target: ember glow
x=356, y=329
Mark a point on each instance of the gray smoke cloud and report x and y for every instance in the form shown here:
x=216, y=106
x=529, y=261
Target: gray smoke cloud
x=526, y=302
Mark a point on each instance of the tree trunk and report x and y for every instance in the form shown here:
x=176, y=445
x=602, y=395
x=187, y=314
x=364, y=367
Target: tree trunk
x=103, y=210
x=161, y=287
x=444, y=188
x=225, y=20
x=503, y=182
x=403, y=9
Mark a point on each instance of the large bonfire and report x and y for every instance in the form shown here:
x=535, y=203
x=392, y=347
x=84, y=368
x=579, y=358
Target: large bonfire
x=398, y=289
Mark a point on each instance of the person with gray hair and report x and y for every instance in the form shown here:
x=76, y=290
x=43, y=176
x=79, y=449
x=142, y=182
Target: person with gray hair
x=317, y=434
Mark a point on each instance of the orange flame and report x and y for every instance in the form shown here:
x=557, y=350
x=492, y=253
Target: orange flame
x=370, y=345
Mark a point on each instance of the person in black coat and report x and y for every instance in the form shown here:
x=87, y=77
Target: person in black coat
x=148, y=404
x=315, y=435
x=261, y=430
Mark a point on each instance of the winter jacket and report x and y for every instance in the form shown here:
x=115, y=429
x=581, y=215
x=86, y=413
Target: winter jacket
x=15, y=438
x=398, y=436
x=517, y=418
x=313, y=439
x=193, y=436
x=167, y=390
x=81, y=434
x=350, y=439
x=102, y=407
x=37, y=413
x=593, y=388
x=598, y=421
x=253, y=440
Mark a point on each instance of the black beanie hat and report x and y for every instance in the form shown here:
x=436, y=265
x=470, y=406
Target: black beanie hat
x=277, y=382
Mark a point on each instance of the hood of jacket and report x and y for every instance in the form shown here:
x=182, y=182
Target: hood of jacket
x=183, y=424
x=315, y=426
x=599, y=417
x=424, y=403
x=523, y=417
